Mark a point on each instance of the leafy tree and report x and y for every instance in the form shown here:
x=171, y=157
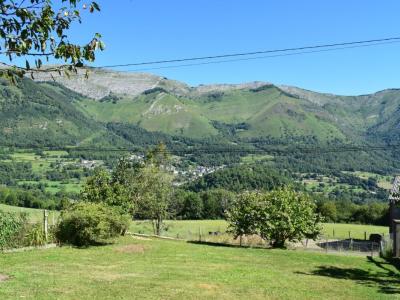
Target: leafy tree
x=143, y=189
x=97, y=188
x=11, y=199
x=152, y=191
x=328, y=210
x=192, y=206
x=216, y=202
x=278, y=216
x=111, y=189
x=287, y=215
x=39, y=29
x=242, y=215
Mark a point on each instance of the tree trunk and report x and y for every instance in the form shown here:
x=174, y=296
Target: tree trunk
x=278, y=243
x=158, y=225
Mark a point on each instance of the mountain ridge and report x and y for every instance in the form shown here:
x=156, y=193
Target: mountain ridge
x=147, y=81
x=248, y=110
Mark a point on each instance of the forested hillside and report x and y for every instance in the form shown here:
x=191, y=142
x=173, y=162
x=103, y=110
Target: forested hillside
x=231, y=137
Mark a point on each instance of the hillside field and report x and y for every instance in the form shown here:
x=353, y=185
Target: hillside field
x=34, y=215
x=138, y=268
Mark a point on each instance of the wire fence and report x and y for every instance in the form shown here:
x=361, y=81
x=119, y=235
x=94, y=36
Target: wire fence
x=348, y=246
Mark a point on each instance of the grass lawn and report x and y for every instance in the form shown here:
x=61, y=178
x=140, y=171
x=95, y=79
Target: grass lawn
x=159, y=269
x=191, y=229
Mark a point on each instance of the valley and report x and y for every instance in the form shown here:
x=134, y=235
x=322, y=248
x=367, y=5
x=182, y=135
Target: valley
x=54, y=134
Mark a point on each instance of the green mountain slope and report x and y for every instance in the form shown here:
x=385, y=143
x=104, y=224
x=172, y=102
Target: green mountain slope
x=262, y=112
x=158, y=111
x=43, y=114
x=49, y=113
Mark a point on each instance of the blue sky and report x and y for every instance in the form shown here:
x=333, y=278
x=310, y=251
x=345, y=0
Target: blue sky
x=147, y=30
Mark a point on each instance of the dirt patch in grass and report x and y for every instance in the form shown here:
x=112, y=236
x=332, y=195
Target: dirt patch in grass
x=4, y=277
x=110, y=277
x=132, y=249
x=207, y=286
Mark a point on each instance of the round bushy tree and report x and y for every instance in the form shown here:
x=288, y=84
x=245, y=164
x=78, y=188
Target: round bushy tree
x=85, y=224
x=278, y=216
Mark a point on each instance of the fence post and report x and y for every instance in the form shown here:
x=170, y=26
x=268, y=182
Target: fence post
x=45, y=223
x=326, y=243
x=333, y=231
x=199, y=234
x=365, y=235
x=240, y=240
x=349, y=234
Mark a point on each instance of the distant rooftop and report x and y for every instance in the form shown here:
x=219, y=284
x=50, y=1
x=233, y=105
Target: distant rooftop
x=394, y=192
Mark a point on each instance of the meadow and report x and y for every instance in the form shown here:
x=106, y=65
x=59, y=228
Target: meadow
x=34, y=215
x=142, y=268
x=50, y=161
x=190, y=229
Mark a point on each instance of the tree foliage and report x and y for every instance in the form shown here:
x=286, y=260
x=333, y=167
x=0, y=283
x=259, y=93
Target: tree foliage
x=241, y=178
x=152, y=195
x=85, y=224
x=277, y=216
x=143, y=189
x=39, y=29
x=112, y=189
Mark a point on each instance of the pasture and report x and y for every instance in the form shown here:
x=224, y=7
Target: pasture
x=34, y=215
x=45, y=164
x=189, y=229
x=138, y=268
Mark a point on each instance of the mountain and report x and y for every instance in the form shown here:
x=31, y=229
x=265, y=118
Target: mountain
x=248, y=110
x=77, y=110
x=43, y=114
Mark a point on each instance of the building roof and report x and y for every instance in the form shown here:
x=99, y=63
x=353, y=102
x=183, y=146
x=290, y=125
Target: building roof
x=394, y=192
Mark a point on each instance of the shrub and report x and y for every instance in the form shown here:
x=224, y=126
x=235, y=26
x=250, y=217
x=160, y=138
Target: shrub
x=12, y=230
x=85, y=224
x=35, y=236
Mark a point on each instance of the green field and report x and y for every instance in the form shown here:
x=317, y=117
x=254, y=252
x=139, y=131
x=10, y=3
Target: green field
x=34, y=215
x=191, y=229
x=42, y=164
x=137, y=268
